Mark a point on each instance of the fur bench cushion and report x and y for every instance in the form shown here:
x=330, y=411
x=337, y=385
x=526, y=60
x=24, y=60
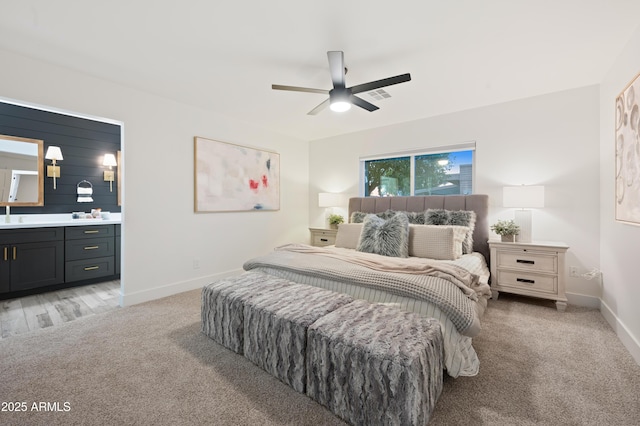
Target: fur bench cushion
x=275, y=329
x=223, y=306
x=372, y=364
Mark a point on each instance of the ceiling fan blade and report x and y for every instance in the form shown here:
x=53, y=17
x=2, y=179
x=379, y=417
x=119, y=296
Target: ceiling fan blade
x=363, y=104
x=336, y=66
x=319, y=108
x=299, y=89
x=365, y=87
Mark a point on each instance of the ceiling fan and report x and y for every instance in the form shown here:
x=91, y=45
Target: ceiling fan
x=341, y=97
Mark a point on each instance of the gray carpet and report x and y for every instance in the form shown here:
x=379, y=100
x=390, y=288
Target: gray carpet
x=149, y=364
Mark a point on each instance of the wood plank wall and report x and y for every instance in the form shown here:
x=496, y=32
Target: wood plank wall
x=83, y=143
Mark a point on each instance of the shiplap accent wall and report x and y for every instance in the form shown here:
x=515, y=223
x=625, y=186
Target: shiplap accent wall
x=83, y=143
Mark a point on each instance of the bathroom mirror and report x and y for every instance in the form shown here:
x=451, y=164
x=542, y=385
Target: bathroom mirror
x=21, y=171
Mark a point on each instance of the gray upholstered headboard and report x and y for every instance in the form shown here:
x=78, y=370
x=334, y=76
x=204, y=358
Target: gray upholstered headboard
x=479, y=203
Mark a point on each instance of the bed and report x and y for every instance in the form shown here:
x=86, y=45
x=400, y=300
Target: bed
x=424, y=254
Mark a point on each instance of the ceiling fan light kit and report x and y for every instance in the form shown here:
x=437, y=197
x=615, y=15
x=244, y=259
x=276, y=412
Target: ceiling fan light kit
x=341, y=97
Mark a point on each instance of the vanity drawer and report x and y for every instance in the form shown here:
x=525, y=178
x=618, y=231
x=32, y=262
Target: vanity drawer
x=524, y=280
x=89, y=248
x=528, y=260
x=89, y=231
x=76, y=270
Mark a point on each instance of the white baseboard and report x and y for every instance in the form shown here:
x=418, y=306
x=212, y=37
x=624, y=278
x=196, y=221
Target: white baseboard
x=134, y=298
x=583, y=300
x=628, y=340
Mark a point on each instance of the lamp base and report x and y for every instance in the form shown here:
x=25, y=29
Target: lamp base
x=523, y=220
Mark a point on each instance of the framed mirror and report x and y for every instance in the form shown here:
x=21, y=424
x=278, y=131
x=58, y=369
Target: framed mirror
x=21, y=171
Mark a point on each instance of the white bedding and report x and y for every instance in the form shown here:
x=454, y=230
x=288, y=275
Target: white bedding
x=460, y=356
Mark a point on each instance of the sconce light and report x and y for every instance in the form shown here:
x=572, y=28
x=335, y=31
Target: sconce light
x=109, y=175
x=54, y=154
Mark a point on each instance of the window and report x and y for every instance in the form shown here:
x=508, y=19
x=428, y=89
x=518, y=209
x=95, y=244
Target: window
x=434, y=172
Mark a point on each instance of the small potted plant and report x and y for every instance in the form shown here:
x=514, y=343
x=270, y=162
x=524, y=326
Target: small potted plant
x=335, y=220
x=507, y=229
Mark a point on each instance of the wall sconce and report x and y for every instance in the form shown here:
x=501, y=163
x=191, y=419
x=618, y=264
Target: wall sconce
x=54, y=154
x=109, y=175
x=522, y=197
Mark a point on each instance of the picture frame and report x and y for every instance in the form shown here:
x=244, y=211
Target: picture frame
x=627, y=154
x=232, y=178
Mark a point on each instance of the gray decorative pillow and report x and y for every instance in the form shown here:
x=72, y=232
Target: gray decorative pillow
x=388, y=214
x=415, y=218
x=385, y=237
x=468, y=219
x=436, y=217
x=357, y=217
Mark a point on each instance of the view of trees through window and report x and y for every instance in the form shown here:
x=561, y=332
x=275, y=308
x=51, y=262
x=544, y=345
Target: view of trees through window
x=424, y=174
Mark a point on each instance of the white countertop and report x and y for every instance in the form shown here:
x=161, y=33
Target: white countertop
x=49, y=220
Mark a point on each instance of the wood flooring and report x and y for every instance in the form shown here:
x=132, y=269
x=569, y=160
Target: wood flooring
x=44, y=310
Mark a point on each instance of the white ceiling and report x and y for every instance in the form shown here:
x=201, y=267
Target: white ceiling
x=224, y=56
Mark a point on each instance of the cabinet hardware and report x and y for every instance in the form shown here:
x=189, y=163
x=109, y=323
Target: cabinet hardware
x=524, y=280
x=91, y=268
x=528, y=262
x=6, y=253
x=91, y=247
x=15, y=252
x=324, y=240
x=93, y=231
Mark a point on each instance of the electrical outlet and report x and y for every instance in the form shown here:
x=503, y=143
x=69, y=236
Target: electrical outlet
x=573, y=271
x=196, y=263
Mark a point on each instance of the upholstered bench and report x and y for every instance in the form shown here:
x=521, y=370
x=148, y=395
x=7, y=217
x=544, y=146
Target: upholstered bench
x=372, y=364
x=275, y=328
x=223, y=303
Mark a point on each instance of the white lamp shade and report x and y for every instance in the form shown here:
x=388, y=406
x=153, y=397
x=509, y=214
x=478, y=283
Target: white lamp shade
x=53, y=153
x=524, y=196
x=109, y=160
x=328, y=199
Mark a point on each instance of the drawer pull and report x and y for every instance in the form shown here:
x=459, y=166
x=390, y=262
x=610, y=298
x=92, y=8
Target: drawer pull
x=524, y=280
x=91, y=231
x=91, y=247
x=528, y=262
x=324, y=240
x=91, y=268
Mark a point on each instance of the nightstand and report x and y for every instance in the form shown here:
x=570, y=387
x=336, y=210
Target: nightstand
x=322, y=236
x=532, y=269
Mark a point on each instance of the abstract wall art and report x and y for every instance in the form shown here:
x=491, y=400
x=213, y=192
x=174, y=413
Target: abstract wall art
x=231, y=177
x=628, y=154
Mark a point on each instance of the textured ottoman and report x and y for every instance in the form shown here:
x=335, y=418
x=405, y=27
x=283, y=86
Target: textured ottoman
x=372, y=364
x=275, y=329
x=223, y=302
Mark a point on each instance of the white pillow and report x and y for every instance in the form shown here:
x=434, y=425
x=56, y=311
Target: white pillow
x=441, y=242
x=348, y=235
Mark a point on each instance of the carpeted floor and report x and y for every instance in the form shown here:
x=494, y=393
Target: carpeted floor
x=150, y=365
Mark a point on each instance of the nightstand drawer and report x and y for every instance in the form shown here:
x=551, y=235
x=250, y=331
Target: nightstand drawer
x=527, y=260
x=524, y=280
x=323, y=240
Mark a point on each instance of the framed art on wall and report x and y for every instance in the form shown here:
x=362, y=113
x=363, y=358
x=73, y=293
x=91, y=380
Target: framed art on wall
x=231, y=177
x=628, y=154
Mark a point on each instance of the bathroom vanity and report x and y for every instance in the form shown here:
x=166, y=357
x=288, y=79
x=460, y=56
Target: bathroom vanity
x=42, y=255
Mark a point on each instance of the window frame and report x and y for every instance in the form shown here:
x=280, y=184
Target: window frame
x=412, y=154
